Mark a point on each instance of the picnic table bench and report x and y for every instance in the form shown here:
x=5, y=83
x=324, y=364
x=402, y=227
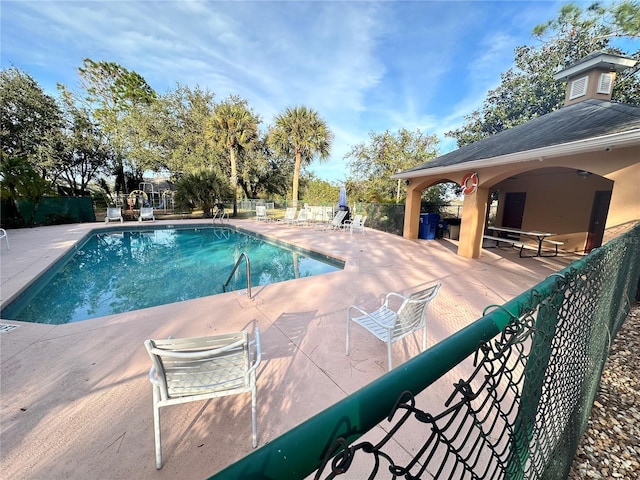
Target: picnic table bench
x=541, y=237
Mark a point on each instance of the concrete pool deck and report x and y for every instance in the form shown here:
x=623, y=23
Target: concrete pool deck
x=75, y=399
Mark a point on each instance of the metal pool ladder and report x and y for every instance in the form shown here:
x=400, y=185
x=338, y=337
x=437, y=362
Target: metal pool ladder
x=235, y=267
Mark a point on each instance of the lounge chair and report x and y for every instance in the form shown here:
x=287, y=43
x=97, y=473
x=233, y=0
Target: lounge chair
x=314, y=214
x=261, y=213
x=302, y=219
x=391, y=325
x=114, y=214
x=3, y=234
x=146, y=213
x=289, y=215
x=337, y=221
x=191, y=369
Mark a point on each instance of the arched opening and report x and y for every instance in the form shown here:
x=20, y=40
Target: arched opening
x=569, y=202
x=438, y=197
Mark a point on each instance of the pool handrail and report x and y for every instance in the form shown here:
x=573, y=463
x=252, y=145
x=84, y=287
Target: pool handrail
x=235, y=267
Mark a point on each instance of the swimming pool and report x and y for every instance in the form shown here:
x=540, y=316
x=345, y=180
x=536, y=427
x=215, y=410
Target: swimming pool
x=119, y=270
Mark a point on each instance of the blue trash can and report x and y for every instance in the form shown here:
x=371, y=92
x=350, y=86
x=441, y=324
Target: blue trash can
x=423, y=228
x=428, y=226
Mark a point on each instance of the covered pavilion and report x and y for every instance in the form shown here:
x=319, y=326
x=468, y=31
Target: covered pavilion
x=573, y=172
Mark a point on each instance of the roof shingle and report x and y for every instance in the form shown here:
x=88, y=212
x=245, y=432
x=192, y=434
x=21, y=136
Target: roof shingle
x=581, y=121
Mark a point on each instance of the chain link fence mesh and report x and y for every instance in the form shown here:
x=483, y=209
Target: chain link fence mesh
x=535, y=366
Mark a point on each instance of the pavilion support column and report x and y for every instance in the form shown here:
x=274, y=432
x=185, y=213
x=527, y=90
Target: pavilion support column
x=474, y=211
x=412, y=212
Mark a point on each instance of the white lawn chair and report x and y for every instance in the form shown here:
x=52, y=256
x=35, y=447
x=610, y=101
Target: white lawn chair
x=261, y=213
x=302, y=219
x=357, y=224
x=391, y=325
x=3, y=234
x=336, y=223
x=114, y=214
x=146, y=213
x=346, y=225
x=191, y=369
x=289, y=215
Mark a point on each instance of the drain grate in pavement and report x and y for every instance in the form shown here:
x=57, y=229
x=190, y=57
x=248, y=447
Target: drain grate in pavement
x=5, y=327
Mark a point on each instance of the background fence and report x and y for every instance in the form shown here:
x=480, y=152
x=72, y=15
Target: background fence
x=49, y=211
x=536, y=365
x=386, y=217
x=55, y=210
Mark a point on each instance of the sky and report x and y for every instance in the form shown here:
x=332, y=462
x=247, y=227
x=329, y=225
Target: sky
x=362, y=66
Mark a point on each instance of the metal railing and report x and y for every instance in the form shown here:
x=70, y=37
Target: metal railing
x=235, y=267
x=219, y=214
x=536, y=362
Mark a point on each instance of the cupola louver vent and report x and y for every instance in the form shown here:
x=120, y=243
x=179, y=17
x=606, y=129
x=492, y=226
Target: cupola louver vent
x=579, y=87
x=605, y=83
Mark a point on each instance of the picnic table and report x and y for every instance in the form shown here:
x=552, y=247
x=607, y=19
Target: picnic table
x=539, y=236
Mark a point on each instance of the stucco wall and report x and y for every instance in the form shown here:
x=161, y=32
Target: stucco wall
x=625, y=202
x=558, y=201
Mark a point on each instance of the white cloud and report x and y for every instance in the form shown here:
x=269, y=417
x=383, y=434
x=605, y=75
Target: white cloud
x=363, y=66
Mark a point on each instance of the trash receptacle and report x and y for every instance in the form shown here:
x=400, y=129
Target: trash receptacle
x=423, y=228
x=428, y=226
x=454, y=228
x=442, y=227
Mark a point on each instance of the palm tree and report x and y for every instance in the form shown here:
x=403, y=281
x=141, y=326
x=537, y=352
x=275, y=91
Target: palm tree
x=299, y=131
x=234, y=126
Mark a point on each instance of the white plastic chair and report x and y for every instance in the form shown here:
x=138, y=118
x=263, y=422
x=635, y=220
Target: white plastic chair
x=146, y=213
x=389, y=325
x=357, y=224
x=347, y=223
x=114, y=214
x=192, y=369
x=261, y=213
x=3, y=234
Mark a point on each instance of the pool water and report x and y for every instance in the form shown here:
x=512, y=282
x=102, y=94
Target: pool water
x=120, y=271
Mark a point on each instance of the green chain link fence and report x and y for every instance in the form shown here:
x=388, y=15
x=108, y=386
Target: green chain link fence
x=537, y=363
x=50, y=211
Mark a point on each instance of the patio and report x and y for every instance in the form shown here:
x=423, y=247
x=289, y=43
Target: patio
x=76, y=401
